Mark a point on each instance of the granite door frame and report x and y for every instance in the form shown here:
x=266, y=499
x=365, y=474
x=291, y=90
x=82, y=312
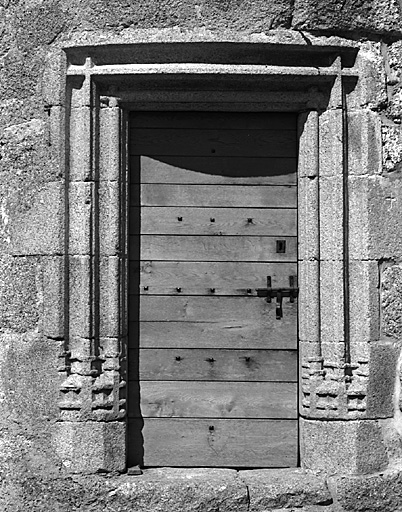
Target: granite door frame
x=91, y=432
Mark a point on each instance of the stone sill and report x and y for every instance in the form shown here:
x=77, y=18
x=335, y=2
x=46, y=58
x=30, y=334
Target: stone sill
x=204, y=490
x=207, y=489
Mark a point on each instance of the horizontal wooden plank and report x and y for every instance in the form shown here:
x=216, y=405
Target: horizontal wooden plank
x=213, y=170
x=213, y=365
x=266, y=143
x=233, y=333
x=217, y=120
x=197, y=278
x=212, y=248
x=232, y=312
x=219, y=196
x=198, y=399
x=178, y=220
x=229, y=443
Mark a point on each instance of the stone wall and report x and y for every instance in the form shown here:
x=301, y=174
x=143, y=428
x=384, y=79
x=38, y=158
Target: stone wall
x=32, y=210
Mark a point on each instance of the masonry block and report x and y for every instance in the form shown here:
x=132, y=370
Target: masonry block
x=80, y=163
x=382, y=379
x=308, y=221
x=331, y=217
x=80, y=296
x=109, y=135
x=308, y=144
x=368, y=493
x=284, y=488
x=21, y=299
x=308, y=300
x=39, y=230
x=56, y=122
x=331, y=301
x=110, y=219
x=374, y=17
x=331, y=143
x=375, y=212
x=365, y=154
x=370, y=90
x=391, y=301
x=53, y=78
x=81, y=222
x=110, y=277
x=346, y=447
x=90, y=447
x=333, y=352
x=359, y=229
x=53, y=296
x=364, y=304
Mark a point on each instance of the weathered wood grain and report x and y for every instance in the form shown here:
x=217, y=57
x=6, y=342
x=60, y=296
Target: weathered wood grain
x=213, y=170
x=197, y=278
x=214, y=365
x=264, y=143
x=198, y=399
x=235, y=333
x=216, y=120
x=214, y=248
x=219, y=196
x=229, y=311
x=208, y=443
x=215, y=221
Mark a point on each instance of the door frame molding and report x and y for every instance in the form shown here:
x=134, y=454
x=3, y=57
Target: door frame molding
x=91, y=432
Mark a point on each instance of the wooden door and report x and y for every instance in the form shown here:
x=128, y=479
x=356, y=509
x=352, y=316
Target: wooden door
x=212, y=371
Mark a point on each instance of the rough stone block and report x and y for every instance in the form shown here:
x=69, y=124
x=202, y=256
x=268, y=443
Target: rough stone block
x=382, y=379
x=370, y=90
x=258, y=16
x=81, y=205
x=110, y=219
x=391, y=301
x=345, y=447
x=287, y=488
x=308, y=223
x=375, y=204
x=308, y=300
x=392, y=147
x=374, y=17
x=372, y=493
x=26, y=166
x=109, y=133
x=331, y=301
x=20, y=293
x=364, y=304
x=364, y=130
x=53, y=296
x=308, y=144
x=39, y=230
x=186, y=489
x=29, y=394
x=53, y=78
x=90, y=447
x=331, y=218
x=331, y=145
x=80, y=323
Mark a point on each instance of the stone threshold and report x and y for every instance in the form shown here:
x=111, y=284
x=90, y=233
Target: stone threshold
x=205, y=490
x=224, y=490
x=228, y=490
